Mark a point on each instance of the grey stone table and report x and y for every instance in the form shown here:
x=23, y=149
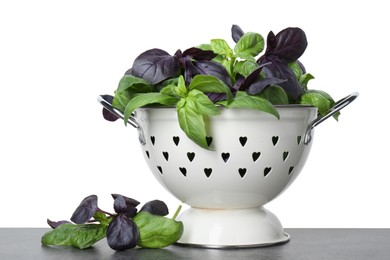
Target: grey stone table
x=313, y=244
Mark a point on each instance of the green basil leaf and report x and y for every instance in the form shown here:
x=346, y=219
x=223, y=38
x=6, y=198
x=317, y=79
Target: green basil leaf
x=250, y=43
x=191, y=122
x=220, y=46
x=157, y=231
x=246, y=56
x=181, y=88
x=324, y=94
x=329, y=98
x=205, y=47
x=210, y=84
x=317, y=100
x=201, y=103
x=304, y=79
x=165, y=83
x=245, y=67
x=129, y=82
x=275, y=94
x=148, y=99
x=243, y=100
x=128, y=87
x=121, y=99
x=102, y=218
x=80, y=236
x=294, y=66
x=169, y=90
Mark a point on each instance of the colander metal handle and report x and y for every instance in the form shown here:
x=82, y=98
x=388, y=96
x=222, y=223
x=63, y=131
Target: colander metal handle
x=107, y=105
x=337, y=107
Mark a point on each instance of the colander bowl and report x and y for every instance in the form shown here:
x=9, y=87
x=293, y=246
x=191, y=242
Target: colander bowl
x=252, y=155
x=252, y=158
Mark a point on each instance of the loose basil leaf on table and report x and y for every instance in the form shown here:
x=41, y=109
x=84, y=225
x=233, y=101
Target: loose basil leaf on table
x=85, y=210
x=80, y=236
x=155, y=207
x=157, y=231
x=122, y=233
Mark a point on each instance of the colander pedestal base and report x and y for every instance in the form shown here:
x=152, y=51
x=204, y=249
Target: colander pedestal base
x=231, y=228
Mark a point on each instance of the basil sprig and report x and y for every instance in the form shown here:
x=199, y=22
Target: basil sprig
x=200, y=79
x=124, y=229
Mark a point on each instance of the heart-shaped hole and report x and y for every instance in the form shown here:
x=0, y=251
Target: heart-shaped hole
x=256, y=156
x=160, y=169
x=275, y=139
x=225, y=156
x=299, y=138
x=176, y=140
x=242, y=172
x=243, y=140
x=190, y=156
x=147, y=154
x=209, y=140
x=267, y=170
x=166, y=155
x=285, y=155
x=208, y=171
x=152, y=139
x=183, y=171
x=290, y=170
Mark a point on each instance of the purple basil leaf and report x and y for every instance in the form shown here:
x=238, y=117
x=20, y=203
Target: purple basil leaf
x=258, y=86
x=239, y=81
x=215, y=97
x=251, y=78
x=121, y=207
x=122, y=233
x=129, y=72
x=55, y=224
x=199, y=54
x=289, y=44
x=189, y=69
x=237, y=33
x=129, y=201
x=155, y=65
x=271, y=42
x=214, y=69
x=178, y=54
x=85, y=210
x=156, y=207
x=107, y=114
x=279, y=69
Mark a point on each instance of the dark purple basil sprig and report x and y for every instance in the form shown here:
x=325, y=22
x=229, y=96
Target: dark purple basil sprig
x=156, y=65
x=86, y=210
x=90, y=224
x=283, y=48
x=237, y=33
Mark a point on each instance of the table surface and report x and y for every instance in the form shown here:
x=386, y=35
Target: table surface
x=24, y=243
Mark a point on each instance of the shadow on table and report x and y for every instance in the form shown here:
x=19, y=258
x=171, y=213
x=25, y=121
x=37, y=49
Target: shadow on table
x=169, y=253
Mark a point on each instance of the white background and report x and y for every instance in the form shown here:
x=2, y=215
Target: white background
x=56, y=57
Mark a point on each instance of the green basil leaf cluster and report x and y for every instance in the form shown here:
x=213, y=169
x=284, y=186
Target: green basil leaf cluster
x=124, y=229
x=201, y=80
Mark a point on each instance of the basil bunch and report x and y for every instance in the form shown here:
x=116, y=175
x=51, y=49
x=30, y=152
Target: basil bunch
x=202, y=78
x=124, y=229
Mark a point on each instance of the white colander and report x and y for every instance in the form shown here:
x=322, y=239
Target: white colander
x=252, y=158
